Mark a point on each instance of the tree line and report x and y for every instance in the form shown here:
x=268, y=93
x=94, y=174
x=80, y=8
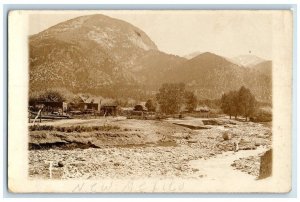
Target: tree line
x=172, y=98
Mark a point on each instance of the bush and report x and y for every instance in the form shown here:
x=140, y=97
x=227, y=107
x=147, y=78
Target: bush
x=77, y=129
x=41, y=127
x=62, y=129
x=69, y=130
x=262, y=116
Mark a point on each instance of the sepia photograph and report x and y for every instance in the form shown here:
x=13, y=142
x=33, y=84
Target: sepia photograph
x=150, y=101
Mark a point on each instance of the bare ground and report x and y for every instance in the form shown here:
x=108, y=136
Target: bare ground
x=144, y=148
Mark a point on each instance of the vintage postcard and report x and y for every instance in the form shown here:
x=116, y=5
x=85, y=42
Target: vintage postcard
x=150, y=101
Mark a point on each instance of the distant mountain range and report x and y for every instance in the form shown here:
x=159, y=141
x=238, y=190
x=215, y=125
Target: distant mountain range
x=192, y=55
x=104, y=56
x=247, y=60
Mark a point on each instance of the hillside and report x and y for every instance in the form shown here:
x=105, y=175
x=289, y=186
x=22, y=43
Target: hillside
x=111, y=58
x=154, y=67
x=264, y=68
x=90, y=53
x=210, y=75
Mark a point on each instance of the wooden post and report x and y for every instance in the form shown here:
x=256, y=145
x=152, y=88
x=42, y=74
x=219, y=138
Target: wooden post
x=38, y=115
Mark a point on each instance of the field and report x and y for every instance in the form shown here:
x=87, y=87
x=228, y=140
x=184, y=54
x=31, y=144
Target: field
x=116, y=147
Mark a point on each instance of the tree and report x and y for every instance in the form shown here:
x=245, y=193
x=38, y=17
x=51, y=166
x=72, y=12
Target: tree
x=52, y=96
x=150, y=105
x=191, y=101
x=171, y=97
x=240, y=102
x=246, y=102
x=228, y=103
x=33, y=97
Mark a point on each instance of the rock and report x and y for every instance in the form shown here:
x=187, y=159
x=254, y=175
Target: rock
x=195, y=169
x=226, y=136
x=210, y=122
x=60, y=164
x=192, y=141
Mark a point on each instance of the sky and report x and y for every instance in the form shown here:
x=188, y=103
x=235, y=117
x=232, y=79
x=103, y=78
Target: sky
x=226, y=33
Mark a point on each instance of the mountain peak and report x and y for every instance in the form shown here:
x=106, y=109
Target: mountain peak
x=247, y=60
x=192, y=55
x=104, y=30
x=208, y=56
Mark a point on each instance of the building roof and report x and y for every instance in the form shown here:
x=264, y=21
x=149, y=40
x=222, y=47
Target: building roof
x=202, y=109
x=109, y=105
x=93, y=100
x=90, y=99
x=144, y=108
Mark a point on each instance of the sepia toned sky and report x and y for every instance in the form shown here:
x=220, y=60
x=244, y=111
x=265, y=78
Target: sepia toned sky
x=227, y=33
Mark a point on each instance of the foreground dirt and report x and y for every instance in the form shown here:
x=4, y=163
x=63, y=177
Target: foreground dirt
x=219, y=167
x=146, y=148
x=123, y=132
x=249, y=165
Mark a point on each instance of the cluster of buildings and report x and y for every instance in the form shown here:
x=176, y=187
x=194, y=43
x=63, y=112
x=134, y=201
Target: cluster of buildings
x=82, y=105
x=96, y=106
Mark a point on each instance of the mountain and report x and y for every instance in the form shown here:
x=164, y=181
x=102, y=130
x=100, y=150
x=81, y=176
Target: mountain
x=209, y=75
x=89, y=53
x=264, y=67
x=192, y=55
x=153, y=68
x=246, y=60
x=111, y=58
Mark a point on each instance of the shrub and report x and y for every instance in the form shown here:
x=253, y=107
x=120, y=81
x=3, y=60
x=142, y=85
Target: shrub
x=69, y=130
x=77, y=128
x=262, y=116
x=62, y=129
x=73, y=128
x=41, y=127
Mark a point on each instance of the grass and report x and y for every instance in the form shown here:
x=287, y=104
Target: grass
x=73, y=128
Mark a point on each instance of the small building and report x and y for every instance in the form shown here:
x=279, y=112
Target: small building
x=86, y=104
x=50, y=107
x=203, y=111
x=108, y=109
x=92, y=103
x=126, y=111
x=140, y=107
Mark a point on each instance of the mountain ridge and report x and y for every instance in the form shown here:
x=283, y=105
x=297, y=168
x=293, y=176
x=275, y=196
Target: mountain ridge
x=104, y=56
x=247, y=60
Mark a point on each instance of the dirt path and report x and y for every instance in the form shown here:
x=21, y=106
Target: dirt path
x=220, y=169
